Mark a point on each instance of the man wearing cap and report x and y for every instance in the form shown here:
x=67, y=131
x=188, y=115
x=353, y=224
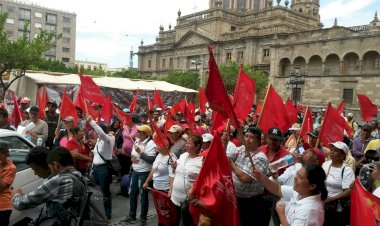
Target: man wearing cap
x=52, y=121
x=24, y=103
x=248, y=190
x=178, y=143
x=360, y=143
x=143, y=155
x=206, y=143
x=40, y=130
x=351, y=122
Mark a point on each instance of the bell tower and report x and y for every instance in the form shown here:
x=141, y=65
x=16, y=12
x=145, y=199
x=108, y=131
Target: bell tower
x=307, y=7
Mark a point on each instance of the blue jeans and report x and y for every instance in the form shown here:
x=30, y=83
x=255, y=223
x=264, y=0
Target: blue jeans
x=102, y=177
x=4, y=217
x=138, y=179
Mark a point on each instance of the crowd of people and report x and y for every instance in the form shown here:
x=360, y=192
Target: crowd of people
x=315, y=190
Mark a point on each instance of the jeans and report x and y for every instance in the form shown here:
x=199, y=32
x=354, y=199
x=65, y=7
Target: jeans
x=138, y=179
x=251, y=211
x=102, y=177
x=4, y=217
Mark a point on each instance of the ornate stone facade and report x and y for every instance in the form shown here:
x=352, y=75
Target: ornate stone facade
x=339, y=61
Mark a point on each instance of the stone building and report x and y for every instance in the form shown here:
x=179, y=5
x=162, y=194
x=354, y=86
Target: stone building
x=42, y=18
x=337, y=62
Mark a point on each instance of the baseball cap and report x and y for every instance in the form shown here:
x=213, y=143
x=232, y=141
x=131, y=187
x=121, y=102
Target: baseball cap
x=341, y=146
x=34, y=109
x=314, y=133
x=275, y=133
x=52, y=103
x=320, y=155
x=295, y=127
x=254, y=130
x=207, y=137
x=350, y=114
x=185, y=126
x=68, y=119
x=145, y=128
x=174, y=129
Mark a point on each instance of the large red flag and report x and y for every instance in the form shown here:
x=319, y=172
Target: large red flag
x=90, y=90
x=133, y=104
x=214, y=188
x=159, y=138
x=292, y=111
x=365, y=207
x=121, y=115
x=166, y=210
x=340, y=108
x=157, y=99
x=68, y=108
x=41, y=106
x=244, y=95
x=169, y=122
x=333, y=126
x=180, y=106
x=150, y=104
x=79, y=101
x=107, y=110
x=368, y=110
x=218, y=121
x=307, y=125
x=16, y=116
x=191, y=117
x=273, y=113
x=202, y=100
x=216, y=92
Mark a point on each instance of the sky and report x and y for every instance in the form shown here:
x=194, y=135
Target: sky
x=107, y=30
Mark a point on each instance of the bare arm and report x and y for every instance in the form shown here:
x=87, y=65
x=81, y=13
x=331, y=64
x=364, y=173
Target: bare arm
x=268, y=184
x=148, y=179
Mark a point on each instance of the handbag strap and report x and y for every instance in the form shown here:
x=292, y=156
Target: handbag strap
x=101, y=156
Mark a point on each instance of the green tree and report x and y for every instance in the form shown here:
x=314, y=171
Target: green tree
x=185, y=79
x=129, y=74
x=20, y=55
x=230, y=71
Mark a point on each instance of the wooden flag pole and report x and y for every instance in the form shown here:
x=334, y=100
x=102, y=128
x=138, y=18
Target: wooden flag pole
x=265, y=101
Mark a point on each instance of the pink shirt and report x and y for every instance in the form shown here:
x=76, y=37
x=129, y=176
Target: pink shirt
x=127, y=141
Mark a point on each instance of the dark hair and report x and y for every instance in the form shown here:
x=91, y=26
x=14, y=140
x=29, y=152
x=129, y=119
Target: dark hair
x=74, y=130
x=4, y=147
x=60, y=155
x=38, y=155
x=316, y=175
x=255, y=131
x=105, y=128
x=4, y=113
x=197, y=140
x=113, y=123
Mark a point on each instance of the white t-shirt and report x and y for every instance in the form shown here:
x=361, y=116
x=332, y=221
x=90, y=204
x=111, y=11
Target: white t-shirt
x=305, y=212
x=335, y=183
x=376, y=192
x=185, y=174
x=161, y=172
x=287, y=178
x=149, y=148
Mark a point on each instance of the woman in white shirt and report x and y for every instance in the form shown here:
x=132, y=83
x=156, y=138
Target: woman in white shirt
x=304, y=201
x=186, y=170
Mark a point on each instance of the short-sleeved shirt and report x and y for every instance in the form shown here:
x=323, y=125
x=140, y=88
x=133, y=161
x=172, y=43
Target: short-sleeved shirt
x=72, y=145
x=287, y=178
x=301, y=212
x=179, y=147
x=281, y=153
x=335, y=182
x=162, y=171
x=239, y=156
x=7, y=175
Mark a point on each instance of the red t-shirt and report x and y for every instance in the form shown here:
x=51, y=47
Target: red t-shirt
x=281, y=153
x=82, y=149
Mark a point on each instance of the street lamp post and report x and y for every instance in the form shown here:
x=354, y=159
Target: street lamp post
x=295, y=82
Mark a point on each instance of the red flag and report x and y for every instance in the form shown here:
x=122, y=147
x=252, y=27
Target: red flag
x=107, y=110
x=214, y=188
x=133, y=104
x=180, y=106
x=292, y=111
x=333, y=126
x=169, y=122
x=202, y=100
x=157, y=99
x=68, y=108
x=368, y=110
x=274, y=113
x=45, y=95
x=307, y=125
x=91, y=111
x=166, y=210
x=124, y=117
x=191, y=117
x=150, y=104
x=340, y=108
x=79, y=101
x=218, y=122
x=365, y=207
x=41, y=106
x=244, y=95
x=16, y=113
x=216, y=92
x=159, y=138
x=90, y=90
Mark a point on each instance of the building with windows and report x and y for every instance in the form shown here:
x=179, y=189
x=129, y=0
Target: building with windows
x=338, y=62
x=42, y=18
x=93, y=66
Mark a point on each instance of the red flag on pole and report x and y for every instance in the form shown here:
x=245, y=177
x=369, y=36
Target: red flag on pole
x=159, y=138
x=41, y=106
x=16, y=113
x=90, y=90
x=133, y=104
x=218, y=122
x=107, y=110
x=365, y=207
x=202, y=100
x=307, y=125
x=79, y=101
x=368, y=110
x=340, y=108
x=166, y=210
x=68, y=108
x=292, y=111
x=216, y=92
x=45, y=95
x=169, y=122
x=191, y=117
x=273, y=113
x=121, y=115
x=214, y=188
x=244, y=95
x=157, y=99
x=150, y=104
x=333, y=126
